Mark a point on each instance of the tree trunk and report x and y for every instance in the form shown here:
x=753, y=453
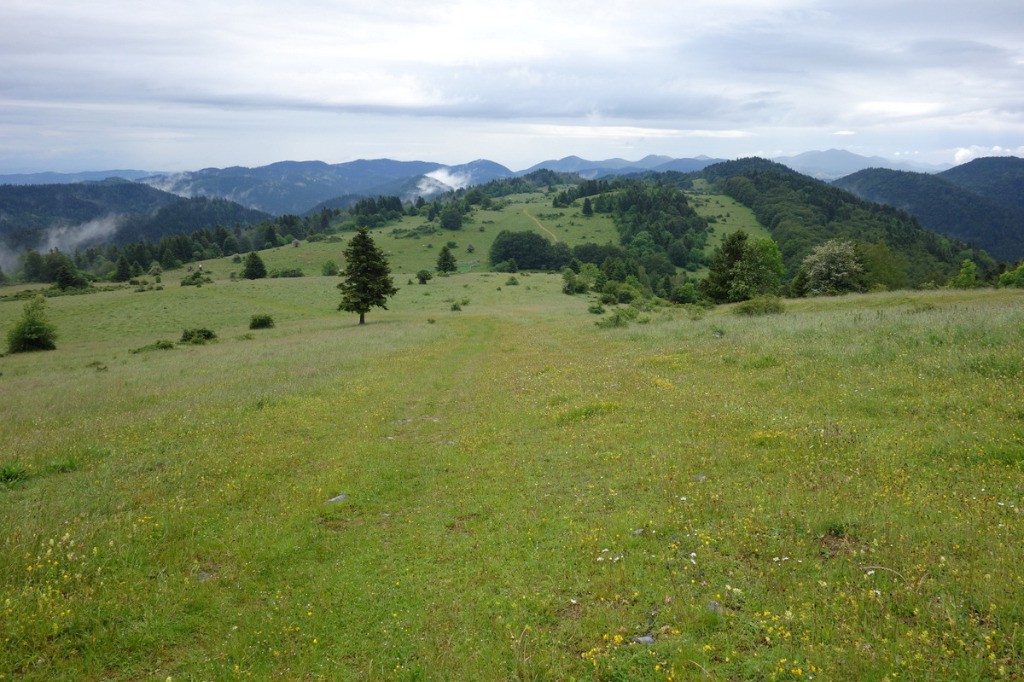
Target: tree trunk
x=361, y=320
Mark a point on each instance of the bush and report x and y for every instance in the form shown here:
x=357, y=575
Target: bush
x=287, y=272
x=620, y=318
x=261, y=321
x=196, y=279
x=199, y=335
x=329, y=269
x=1013, y=278
x=32, y=332
x=10, y=474
x=424, y=276
x=760, y=305
x=162, y=344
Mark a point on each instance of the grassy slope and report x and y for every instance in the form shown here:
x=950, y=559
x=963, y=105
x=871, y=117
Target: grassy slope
x=833, y=492
x=408, y=255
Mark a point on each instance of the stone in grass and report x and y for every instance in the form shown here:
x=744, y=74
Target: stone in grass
x=644, y=639
x=339, y=498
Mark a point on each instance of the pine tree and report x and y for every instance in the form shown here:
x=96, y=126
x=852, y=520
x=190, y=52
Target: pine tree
x=446, y=261
x=254, y=267
x=367, y=277
x=32, y=332
x=122, y=271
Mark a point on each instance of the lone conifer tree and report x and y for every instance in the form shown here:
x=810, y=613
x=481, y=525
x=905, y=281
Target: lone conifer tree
x=33, y=331
x=367, y=279
x=254, y=267
x=446, y=261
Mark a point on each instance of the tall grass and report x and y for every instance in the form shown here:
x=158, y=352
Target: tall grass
x=833, y=492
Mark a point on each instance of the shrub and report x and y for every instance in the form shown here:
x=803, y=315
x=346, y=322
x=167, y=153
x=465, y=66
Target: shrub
x=620, y=318
x=287, y=272
x=11, y=474
x=424, y=276
x=760, y=305
x=196, y=279
x=1013, y=278
x=162, y=344
x=32, y=332
x=261, y=321
x=199, y=335
x=329, y=269
x=511, y=282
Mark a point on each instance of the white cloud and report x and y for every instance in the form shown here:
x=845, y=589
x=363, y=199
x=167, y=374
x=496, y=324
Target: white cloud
x=965, y=154
x=194, y=84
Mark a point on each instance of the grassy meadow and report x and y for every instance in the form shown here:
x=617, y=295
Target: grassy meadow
x=508, y=491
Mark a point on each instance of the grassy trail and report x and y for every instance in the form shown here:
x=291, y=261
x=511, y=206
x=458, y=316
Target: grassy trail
x=540, y=225
x=834, y=492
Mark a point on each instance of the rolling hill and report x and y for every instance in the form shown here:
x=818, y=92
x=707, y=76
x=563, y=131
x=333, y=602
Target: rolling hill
x=979, y=202
x=69, y=216
x=296, y=187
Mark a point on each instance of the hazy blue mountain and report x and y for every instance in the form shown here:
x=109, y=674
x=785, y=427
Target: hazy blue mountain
x=801, y=212
x=999, y=179
x=595, y=169
x=299, y=186
x=991, y=218
x=69, y=216
x=67, y=178
x=836, y=163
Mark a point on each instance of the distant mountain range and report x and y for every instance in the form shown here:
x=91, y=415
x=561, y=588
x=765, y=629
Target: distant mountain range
x=298, y=187
x=82, y=214
x=980, y=202
x=836, y=163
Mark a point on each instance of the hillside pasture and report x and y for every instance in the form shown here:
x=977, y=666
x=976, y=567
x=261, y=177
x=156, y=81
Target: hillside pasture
x=507, y=491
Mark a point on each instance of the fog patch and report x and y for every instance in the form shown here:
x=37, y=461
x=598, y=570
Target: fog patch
x=175, y=183
x=69, y=238
x=440, y=181
x=9, y=260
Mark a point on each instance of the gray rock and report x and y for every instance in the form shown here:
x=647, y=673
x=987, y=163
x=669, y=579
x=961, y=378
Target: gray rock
x=339, y=498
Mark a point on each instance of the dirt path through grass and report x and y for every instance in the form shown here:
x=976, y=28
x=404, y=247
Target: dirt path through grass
x=540, y=224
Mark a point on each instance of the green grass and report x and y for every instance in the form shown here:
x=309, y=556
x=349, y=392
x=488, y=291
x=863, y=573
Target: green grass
x=833, y=492
x=530, y=212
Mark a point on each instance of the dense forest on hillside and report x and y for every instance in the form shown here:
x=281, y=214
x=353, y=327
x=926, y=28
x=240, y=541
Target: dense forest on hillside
x=112, y=211
x=801, y=213
x=662, y=240
x=944, y=207
x=999, y=179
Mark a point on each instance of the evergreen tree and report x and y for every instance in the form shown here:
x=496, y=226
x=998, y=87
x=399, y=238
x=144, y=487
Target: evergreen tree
x=759, y=271
x=451, y=218
x=367, y=277
x=446, y=261
x=254, y=267
x=122, y=271
x=69, y=278
x=723, y=265
x=588, y=208
x=32, y=332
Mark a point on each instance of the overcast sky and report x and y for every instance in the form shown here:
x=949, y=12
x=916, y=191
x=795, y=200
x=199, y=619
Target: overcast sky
x=189, y=84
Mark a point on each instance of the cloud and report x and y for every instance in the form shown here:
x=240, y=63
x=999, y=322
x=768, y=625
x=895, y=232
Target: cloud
x=965, y=154
x=621, y=132
x=69, y=238
x=196, y=84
